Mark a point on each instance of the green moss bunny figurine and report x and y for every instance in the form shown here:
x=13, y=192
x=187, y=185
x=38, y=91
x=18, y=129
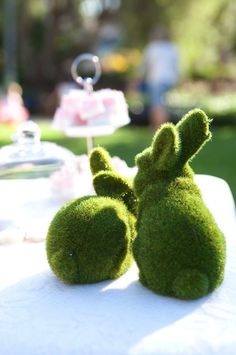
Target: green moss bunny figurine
x=90, y=238
x=179, y=249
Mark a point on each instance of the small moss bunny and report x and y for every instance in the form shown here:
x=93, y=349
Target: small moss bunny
x=179, y=249
x=90, y=238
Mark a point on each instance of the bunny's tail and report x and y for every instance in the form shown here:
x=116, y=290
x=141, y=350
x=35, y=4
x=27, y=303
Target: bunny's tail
x=190, y=284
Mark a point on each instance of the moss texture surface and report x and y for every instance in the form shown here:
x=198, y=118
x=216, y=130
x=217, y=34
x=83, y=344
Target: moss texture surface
x=90, y=238
x=179, y=249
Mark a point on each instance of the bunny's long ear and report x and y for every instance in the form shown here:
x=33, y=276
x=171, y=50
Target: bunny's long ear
x=165, y=147
x=108, y=182
x=194, y=132
x=100, y=160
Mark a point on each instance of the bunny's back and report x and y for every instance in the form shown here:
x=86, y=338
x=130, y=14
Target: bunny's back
x=176, y=231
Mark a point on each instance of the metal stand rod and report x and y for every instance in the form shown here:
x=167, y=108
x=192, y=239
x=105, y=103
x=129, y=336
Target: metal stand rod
x=89, y=144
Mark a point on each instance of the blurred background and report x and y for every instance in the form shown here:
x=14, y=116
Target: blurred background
x=40, y=39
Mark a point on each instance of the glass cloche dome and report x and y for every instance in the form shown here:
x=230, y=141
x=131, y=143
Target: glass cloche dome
x=29, y=158
x=36, y=179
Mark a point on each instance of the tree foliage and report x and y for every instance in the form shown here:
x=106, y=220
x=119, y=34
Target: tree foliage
x=51, y=33
x=204, y=30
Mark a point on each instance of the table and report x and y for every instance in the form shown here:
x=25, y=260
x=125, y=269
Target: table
x=42, y=316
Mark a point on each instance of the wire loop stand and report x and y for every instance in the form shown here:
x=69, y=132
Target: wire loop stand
x=86, y=83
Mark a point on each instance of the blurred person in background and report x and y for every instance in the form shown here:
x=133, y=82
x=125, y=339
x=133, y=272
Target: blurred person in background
x=159, y=71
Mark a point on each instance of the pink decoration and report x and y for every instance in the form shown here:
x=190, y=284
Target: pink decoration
x=99, y=108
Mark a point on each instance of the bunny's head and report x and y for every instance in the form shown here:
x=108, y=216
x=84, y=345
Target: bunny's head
x=108, y=182
x=171, y=150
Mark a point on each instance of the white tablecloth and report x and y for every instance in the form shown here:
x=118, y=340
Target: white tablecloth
x=39, y=315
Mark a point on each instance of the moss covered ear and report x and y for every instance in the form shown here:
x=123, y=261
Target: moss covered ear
x=165, y=147
x=194, y=132
x=100, y=160
x=109, y=183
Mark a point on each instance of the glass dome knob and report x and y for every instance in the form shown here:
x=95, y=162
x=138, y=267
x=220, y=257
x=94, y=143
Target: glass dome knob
x=28, y=133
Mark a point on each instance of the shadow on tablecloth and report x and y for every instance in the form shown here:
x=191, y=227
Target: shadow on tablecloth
x=41, y=315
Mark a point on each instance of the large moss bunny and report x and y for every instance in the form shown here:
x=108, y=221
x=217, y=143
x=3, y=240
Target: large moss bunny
x=179, y=249
x=90, y=238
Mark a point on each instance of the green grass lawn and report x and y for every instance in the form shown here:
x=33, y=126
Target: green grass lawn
x=217, y=158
